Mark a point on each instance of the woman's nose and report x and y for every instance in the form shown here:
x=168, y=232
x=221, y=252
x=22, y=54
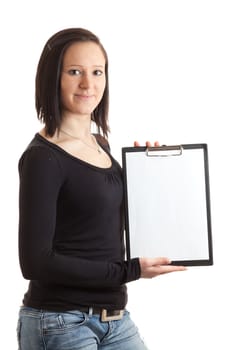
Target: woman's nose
x=85, y=82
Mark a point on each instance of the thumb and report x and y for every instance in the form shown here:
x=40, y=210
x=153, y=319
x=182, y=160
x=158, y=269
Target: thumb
x=161, y=261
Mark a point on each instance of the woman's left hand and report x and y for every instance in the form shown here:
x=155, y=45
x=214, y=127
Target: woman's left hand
x=148, y=144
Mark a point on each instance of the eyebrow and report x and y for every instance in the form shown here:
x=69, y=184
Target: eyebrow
x=79, y=65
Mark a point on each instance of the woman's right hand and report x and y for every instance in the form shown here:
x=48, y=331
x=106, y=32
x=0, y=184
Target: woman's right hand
x=152, y=267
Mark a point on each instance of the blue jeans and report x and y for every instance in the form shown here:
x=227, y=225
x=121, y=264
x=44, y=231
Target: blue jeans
x=75, y=330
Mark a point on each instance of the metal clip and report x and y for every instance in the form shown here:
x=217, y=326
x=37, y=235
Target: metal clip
x=164, y=151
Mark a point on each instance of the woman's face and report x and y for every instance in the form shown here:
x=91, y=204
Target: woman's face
x=83, y=78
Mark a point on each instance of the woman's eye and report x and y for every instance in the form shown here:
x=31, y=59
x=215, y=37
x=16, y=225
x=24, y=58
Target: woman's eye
x=74, y=72
x=98, y=72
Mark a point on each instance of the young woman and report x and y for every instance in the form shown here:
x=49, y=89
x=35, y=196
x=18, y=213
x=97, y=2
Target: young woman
x=71, y=223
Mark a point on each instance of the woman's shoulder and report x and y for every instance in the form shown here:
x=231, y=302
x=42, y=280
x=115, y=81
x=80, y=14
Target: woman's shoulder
x=38, y=152
x=38, y=144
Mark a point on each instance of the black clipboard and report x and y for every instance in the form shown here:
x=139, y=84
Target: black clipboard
x=167, y=203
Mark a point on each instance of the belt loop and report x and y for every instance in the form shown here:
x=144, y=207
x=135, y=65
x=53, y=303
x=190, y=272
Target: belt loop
x=90, y=313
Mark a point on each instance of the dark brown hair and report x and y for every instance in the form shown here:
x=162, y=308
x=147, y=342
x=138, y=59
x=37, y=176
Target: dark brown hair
x=47, y=94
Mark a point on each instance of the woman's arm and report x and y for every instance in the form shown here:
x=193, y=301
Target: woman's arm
x=41, y=179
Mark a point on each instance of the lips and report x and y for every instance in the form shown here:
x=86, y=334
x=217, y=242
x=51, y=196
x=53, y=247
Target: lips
x=83, y=97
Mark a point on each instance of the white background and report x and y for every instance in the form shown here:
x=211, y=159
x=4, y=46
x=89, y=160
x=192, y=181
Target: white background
x=171, y=79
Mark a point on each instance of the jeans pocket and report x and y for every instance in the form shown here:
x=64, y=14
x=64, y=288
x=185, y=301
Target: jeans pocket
x=62, y=322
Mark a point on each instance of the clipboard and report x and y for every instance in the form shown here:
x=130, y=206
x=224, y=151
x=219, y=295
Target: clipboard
x=167, y=203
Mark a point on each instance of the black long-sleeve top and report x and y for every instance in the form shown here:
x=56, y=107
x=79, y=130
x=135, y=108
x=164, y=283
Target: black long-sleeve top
x=71, y=244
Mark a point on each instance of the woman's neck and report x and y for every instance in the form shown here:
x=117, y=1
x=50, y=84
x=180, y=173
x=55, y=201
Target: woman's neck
x=79, y=127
